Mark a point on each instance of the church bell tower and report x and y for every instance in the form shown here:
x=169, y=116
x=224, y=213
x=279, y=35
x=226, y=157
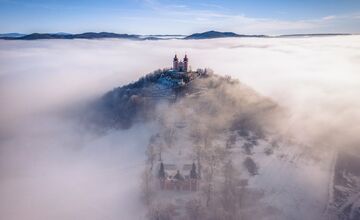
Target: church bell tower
x=175, y=63
x=186, y=62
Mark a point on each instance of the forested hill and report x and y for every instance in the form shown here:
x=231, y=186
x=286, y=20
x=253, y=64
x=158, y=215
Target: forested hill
x=139, y=101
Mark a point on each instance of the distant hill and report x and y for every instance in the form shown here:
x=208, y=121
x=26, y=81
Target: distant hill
x=314, y=35
x=162, y=36
x=87, y=35
x=217, y=34
x=12, y=35
x=62, y=33
x=92, y=35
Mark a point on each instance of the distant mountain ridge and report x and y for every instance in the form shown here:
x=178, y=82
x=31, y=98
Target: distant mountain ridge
x=314, y=35
x=87, y=35
x=217, y=34
x=11, y=35
x=103, y=35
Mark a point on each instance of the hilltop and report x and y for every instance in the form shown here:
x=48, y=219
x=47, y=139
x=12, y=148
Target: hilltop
x=216, y=148
x=228, y=131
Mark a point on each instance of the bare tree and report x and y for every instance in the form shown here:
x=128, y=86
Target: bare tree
x=151, y=155
x=211, y=163
x=201, y=139
x=147, y=187
x=161, y=212
x=230, y=192
x=196, y=138
x=195, y=210
x=169, y=136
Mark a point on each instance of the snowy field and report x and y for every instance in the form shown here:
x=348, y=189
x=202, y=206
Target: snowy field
x=52, y=169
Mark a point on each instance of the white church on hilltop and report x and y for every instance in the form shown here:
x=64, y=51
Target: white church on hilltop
x=181, y=66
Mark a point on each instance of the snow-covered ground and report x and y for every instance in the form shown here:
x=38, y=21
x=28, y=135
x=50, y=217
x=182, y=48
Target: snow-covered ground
x=289, y=181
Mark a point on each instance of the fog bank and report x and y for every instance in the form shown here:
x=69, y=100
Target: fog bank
x=50, y=168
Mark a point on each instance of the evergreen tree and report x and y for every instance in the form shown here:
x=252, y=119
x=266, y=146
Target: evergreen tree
x=162, y=171
x=193, y=174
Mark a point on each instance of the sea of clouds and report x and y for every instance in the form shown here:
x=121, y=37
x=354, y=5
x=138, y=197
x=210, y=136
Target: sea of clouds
x=51, y=168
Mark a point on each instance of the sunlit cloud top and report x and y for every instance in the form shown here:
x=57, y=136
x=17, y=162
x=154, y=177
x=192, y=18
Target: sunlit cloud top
x=180, y=17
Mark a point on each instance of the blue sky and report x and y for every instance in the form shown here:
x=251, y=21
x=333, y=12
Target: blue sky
x=180, y=17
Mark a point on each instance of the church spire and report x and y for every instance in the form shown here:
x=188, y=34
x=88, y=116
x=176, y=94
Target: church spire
x=175, y=63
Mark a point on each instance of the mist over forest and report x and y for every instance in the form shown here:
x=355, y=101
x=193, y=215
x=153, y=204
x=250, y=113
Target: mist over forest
x=51, y=167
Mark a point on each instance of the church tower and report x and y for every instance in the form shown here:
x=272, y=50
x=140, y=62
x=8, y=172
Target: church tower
x=181, y=66
x=186, y=63
x=175, y=63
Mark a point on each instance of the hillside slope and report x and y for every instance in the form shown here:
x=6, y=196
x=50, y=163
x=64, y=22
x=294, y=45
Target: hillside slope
x=247, y=168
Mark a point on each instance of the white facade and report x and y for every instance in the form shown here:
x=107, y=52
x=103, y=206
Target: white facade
x=180, y=66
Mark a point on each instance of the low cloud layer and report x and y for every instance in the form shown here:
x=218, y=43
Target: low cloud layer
x=51, y=169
